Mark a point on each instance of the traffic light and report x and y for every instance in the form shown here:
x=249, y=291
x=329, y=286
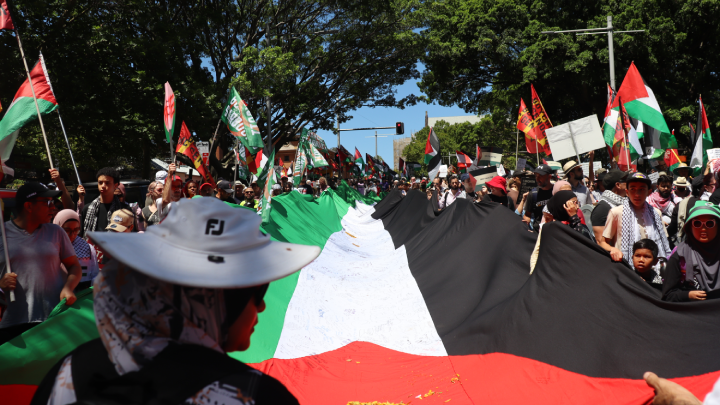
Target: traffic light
x=399, y=128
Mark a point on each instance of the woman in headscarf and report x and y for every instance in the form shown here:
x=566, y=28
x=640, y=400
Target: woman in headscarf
x=167, y=323
x=693, y=272
x=69, y=221
x=563, y=206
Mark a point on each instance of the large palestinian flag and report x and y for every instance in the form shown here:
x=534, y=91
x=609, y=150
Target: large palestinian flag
x=643, y=107
x=23, y=110
x=394, y=309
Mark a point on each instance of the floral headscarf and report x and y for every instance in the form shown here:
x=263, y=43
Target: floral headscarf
x=138, y=316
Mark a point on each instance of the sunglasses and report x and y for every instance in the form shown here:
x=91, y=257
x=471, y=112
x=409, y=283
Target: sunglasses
x=709, y=224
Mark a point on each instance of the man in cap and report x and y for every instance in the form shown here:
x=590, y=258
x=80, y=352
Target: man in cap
x=682, y=210
x=206, y=190
x=121, y=221
x=613, y=196
x=635, y=219
x=574, y=176
x=178, y=314
x=539, y=196
x=38, y=250
x=468, y=183
x=225, y=191
x=239, y=187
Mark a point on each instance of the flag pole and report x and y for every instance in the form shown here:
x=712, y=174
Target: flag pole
x=7, y=251
x=237, y=157
x=32, y=88
x=72, y=159
x=517, y=143
x=537, y=151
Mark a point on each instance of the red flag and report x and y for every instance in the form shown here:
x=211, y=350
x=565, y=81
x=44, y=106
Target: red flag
x=464, y=160
x=5, y=19
x=250, y=160
x=541, y=119
x=186, y=146
x=527, y=125
x=357, y=156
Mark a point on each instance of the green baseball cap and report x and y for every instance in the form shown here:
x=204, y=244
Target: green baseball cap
x=703, y=208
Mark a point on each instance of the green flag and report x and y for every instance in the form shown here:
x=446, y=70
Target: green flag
x=317, y=158
x=266, y=169
x=301, y=158
x=241, y=123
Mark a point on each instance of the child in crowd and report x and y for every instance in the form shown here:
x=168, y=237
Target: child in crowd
x=645, y=257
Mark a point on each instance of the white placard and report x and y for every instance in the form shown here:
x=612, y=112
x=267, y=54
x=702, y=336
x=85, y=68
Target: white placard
x=654, y=177
x=500, y=170
x=586, y=168
x=520, y=165
x=443, y=171
x=586, y=133
x=713, y=153
x=204, y=149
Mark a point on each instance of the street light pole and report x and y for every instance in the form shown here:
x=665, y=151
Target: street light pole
x=594, y=31
x=611, y=53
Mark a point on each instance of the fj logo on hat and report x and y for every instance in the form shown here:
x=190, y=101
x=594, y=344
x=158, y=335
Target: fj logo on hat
x=210, y=227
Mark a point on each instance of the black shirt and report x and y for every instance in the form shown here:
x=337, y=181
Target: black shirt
x=500, y=200
x=535, y=205
x=102, y=214
x=600, y=214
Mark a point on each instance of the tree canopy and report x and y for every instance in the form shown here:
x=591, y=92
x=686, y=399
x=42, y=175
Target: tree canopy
x=108, y=62
x=483, y=54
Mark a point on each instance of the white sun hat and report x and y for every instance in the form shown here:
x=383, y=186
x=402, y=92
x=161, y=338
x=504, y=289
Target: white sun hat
x=206, y=243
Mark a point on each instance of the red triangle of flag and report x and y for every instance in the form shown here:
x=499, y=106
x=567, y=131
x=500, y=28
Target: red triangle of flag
x=632, y=87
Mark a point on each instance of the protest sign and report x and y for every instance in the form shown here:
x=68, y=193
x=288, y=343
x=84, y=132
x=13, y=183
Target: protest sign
x=527, y=183
x=520, y=165
x=443, y=171
x=713, y=153
x=204, y=149
x=500, y=170
x=586, y=167
x=490, y=156
x=483, y=175
x=654, y=177
x=575, y=137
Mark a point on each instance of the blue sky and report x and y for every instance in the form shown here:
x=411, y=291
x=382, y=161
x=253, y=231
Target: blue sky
x=413, y=117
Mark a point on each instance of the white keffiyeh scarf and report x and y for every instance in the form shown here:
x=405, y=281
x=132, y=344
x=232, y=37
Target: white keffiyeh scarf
x=654, y=229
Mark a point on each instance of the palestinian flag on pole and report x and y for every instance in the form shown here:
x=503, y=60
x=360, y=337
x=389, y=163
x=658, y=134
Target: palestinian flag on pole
x=241, y=123
x=186, y=146
x=402, y=167
x=389, y=327
x=541, y=120
x=432, y=155
x=269, y=179
x=267, y=164
x=641, y=104
x=301, y=158
x=370, y=163
x=22, y=109
x=621, y=147
x=703, y=141
x=342, y=156
x=527, y=125
x=358, y=157
x=169, y=113
x=464, y=160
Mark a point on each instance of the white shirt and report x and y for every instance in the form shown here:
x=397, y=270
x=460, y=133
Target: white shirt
x=449, y=197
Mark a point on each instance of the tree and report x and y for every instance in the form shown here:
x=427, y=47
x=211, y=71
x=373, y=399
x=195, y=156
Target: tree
x=483, y=54
x=464, y=137
x=109, y=60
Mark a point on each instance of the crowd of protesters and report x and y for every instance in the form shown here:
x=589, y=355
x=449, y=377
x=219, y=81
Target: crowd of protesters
x=666, y=230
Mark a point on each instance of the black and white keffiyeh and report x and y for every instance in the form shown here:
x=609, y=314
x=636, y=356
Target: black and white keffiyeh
x=654, y=229
x=611, y=198
x=91, y=215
